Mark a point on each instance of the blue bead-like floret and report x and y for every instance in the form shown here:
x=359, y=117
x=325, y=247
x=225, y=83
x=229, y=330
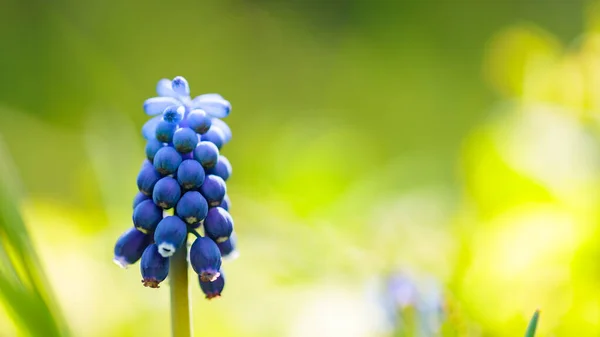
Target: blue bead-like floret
x=215, y=136
x=205, y=259
x=165, y=131
x=154, y=267
x=213, y=189
x=228, y=247
x=174, y=114
x=190, y=174
x=192, y=207
x=180, y=86
x=146, y=216
x=213, y=289
x=198, y=121
x=166, y=193
x=157, y=105
x=170, y=235
x=147, y=178
x=207, y=154
x=218, y=224
x=152, y=146
x=221, y=125
x=226, y=203
x=222, y=168
x=130, y=246
x=139, y=197
x=185, y=140
x=167, y=160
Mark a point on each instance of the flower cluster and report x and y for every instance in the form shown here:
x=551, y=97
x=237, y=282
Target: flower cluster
x=182, y=188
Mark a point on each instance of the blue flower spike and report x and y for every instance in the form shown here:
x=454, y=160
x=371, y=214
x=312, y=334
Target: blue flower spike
x=154, y=267
x=170, y=235
x=182, y=187
x=213, y=289
x=130, y=246
x=205, y=259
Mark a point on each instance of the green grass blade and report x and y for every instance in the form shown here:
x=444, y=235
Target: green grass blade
x=533, y=324
x=24, y=289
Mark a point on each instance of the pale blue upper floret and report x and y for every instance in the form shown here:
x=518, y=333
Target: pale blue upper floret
x=176, y=93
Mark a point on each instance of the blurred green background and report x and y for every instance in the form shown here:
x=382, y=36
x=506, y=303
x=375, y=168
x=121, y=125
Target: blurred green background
x=454, y=141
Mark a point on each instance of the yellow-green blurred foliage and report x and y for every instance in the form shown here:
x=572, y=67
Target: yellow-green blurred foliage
x=366, y=139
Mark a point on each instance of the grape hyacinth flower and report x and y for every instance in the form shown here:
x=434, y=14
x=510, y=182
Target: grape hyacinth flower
x=181, y=185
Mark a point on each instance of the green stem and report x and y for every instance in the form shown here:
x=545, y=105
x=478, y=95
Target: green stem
x=180, y=296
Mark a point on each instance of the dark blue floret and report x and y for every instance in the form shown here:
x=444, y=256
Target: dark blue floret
x=130, y=246
x=226, y=203
x=218, y=224
x=222, y=168
x=198, y=121
x=170, y=235
x=165, y=131
x=167, y=160
x=154, y=267
x=213, y=189
x=190, y=174
x=192, y=207
x=174, y=114
x=146, y=216
x=185, y=140
x=152, y=146
x=147, y=178
x=207, y=154
x=228, y=247
x=205, y=259
x=213, y=289
x=215, y=136
x=139, y=197
x=166, y=193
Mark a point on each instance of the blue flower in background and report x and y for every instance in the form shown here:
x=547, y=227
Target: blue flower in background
x=175, y=96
